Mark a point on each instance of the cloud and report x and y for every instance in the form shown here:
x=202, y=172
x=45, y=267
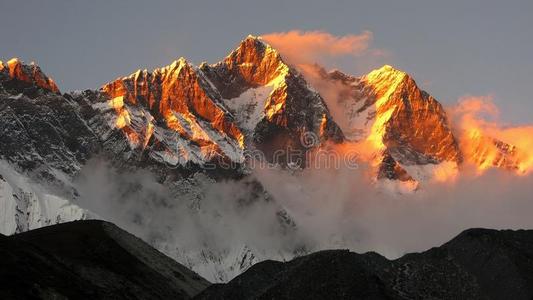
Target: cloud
x=189, y=218
x=313, y=53
x=476, y=121
x=307, y=47
x=344, y=209
x=470, y=106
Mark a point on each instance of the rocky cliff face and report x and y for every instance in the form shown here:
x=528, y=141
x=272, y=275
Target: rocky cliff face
x=408, y=118
x=49, y=137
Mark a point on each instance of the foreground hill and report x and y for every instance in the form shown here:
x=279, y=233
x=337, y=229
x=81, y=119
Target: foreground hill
x=97, y=260
x=477, y=264
x=90, y=260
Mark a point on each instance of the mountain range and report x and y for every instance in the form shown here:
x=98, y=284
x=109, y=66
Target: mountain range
x=192, y=127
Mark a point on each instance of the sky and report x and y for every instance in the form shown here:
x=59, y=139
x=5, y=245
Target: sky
x=452, y=49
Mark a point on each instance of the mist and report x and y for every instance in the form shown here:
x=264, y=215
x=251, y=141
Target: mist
x=331, y=208
x=193, y=214
x=344, y=209
x=352, y=52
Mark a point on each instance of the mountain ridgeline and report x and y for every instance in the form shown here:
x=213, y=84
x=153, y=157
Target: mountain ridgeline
x=477, y=264
x=185, y=116
x=98, y=260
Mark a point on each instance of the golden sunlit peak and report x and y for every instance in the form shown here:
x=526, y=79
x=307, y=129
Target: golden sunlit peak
x=252, y=44
x=13, y=61
x=253, y=37
x=387, y=67
x=179, y=62
x=12, y=64
x=174, y=67
x=258, y=40
x=117, y=102
x=29, y=73
x=386, y=70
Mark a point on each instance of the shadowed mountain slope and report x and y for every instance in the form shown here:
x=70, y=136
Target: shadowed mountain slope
x=477, y=264
x=90, y=260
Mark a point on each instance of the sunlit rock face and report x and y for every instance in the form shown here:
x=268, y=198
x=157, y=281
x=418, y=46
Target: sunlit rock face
x=30, y=74
x=401, y=123
x=175, y=112
x=409, y=130
x=251, y=65
x=283, y=108
x=415, y=130
x=411, y=117
x=181, y=114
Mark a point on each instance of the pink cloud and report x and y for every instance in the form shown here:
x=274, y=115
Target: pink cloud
x=303, y=47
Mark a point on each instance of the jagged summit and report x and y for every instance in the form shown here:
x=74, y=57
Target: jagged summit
x=386, y=77
x=30, y=74
x=254, y=37
x=276, y=100
x=253, y=63
x=412, y=116
x=175, y=114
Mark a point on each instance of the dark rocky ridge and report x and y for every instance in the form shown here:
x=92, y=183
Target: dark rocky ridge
x=97, y=260
x=90, y=260
x=477, y=264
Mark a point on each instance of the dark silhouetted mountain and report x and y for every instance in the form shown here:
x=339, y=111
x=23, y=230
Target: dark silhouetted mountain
x=477, y=264
x=90, y=260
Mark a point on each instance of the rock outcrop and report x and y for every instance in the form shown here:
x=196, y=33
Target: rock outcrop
x=29, y=74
